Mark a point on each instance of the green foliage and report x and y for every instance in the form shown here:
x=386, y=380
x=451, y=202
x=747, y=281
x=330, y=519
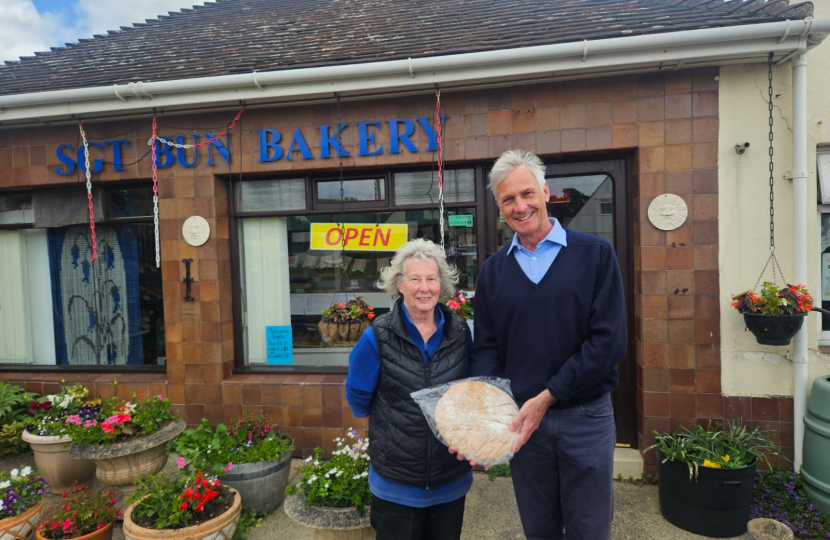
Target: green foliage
x=780, y=495
x=496, y=471
x=249, y=439
x=341, y=481
x=175, y=502
x=248, y=520
x=11, y=439
x=19, y=491
x=791, y=300
x=48, y=414
x=733, y=447
x=14, y=401
x=353, y=310
x=460, y=304
x=80, y=513
x=114, y=420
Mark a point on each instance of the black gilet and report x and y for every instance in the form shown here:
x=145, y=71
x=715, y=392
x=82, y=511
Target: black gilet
x=402, y=446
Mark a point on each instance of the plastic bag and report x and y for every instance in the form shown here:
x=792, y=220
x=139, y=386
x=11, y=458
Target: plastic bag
x=473, y=416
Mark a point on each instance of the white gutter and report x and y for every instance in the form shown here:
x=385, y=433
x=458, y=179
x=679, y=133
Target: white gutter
x=738, y=44
x=799, y=359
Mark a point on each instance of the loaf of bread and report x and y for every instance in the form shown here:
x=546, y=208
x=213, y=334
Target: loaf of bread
x=473, y=417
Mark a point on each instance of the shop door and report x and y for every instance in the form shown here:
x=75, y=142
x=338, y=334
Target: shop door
x=592, y=197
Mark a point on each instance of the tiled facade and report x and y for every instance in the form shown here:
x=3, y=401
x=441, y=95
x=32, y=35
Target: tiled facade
x=666, y=123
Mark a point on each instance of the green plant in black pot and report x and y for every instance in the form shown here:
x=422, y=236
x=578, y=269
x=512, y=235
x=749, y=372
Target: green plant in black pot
x=777, y=314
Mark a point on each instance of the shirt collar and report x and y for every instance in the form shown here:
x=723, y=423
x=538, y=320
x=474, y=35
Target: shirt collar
x=412, y=330
x=556, y=235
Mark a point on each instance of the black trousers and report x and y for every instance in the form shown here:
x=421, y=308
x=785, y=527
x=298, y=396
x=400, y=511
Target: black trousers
x=394, y=521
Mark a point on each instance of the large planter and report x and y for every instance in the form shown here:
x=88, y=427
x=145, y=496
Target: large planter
x=330, y=523
x=22, y=527
x=717, y=504
x=219, y=528
x=774, y=329
x=54, y=463
x=104, y=533
x=120, y=464
x=261, y=485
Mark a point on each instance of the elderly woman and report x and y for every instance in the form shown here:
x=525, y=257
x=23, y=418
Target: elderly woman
x=418, y=488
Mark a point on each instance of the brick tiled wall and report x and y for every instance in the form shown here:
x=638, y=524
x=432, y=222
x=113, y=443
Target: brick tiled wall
x=667, y=123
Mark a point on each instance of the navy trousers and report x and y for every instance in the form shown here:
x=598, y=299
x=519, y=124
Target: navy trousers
x=393, y=521
x=563, y=476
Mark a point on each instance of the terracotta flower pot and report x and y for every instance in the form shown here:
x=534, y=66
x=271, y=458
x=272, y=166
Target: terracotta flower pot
x=120, y=464
x=22, y=527
x=54, y=463
x=219, y=528
x=104, y=533
x=330, y=523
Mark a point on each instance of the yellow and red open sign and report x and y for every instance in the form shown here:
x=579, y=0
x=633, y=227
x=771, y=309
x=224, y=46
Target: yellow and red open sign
x=359, y=236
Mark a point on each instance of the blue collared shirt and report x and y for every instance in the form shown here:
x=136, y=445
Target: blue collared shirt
x=535, y=264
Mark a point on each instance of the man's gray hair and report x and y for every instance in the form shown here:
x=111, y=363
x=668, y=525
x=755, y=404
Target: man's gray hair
x=513, y=159
x=424, y=250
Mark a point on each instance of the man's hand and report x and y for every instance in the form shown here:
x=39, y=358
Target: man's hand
x=460, y=456
x=530, y=416
x=365, y=421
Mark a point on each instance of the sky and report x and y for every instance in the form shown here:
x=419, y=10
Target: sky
x=27, y=26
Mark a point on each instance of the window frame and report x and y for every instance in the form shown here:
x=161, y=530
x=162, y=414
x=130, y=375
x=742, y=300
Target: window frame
x=44, y=368
x=822, y=335
x=315, y=208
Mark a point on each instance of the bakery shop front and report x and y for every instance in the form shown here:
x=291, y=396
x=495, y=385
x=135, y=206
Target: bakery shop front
x=283, y=190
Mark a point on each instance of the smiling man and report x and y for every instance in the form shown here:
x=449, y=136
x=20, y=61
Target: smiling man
x=550, y=316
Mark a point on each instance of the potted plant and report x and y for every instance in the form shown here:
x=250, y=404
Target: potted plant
x=126, y=440
x=705, y=476
x=48, y=434
x=81, y=515
x=191, y=508
x=462, y=305
x=776, y=315
x=21, y=506
x=346, y=322
x=333, y=495
x=250, y=455
x=14, y=401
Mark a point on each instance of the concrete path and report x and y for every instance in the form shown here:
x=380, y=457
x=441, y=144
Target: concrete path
x=491, y=512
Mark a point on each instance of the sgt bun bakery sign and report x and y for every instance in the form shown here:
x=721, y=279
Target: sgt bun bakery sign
x=358, y=236
x=289, y=145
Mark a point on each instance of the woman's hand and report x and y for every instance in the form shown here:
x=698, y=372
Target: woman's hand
x=460, y=456
x=365, y=421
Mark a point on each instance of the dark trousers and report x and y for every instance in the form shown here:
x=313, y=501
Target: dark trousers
x=394, y=521
x=563, y=476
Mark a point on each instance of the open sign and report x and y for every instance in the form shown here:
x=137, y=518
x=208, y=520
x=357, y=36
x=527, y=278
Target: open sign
x=358, y=236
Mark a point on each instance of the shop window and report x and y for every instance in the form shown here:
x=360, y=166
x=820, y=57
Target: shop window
x=294, y=266
x=270, y=195
x=353, y=191
x=823, y=299
x=421, y=187
x=64, y=308
x=16, y=209
x=582, y=203
x=129, y=203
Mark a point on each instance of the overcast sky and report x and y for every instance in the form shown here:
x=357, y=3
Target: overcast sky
x=27, y=26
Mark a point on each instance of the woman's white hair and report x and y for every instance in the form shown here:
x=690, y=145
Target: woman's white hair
x=513, y=159
x=424, y=250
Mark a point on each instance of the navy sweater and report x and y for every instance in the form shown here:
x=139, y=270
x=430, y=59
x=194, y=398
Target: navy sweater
x=566, y=334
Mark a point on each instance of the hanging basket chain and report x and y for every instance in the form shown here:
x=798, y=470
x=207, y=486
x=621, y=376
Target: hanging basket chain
x=440, y=143
x=89, y=191
x=197, y=145
x=772, y=258
x=153, y=145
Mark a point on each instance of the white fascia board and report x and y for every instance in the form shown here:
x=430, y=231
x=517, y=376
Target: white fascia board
x=715, y=46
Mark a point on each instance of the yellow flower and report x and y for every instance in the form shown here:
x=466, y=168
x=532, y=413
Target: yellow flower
x=725, y=458
x=710, y=464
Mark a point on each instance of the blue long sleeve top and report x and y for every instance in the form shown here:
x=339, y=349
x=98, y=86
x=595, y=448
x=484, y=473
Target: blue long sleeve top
x=361, y=383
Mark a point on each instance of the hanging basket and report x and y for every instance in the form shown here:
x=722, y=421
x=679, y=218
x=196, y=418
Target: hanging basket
x=774, y=329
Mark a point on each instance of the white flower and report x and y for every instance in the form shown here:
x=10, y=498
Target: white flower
x=339, y=473
x=327, y=485
x=14, y=473
x=4, y=485
x=356, y=477
x=26, y=471
x=368, y=458
x=308, y=459
x=1, y=504
x=129, y=406
x=316, y=462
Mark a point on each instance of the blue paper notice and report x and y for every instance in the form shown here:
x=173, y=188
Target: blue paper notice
x=278, y=343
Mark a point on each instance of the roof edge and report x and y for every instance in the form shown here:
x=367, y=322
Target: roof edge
x=674, y=50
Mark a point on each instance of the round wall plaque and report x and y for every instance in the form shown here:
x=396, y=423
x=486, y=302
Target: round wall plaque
x=196, y=230
x=667, y=212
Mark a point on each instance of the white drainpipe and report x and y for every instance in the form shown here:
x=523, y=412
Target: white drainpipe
x=799, y=243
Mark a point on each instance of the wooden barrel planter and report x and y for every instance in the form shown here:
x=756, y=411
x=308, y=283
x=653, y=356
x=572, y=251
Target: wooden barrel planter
x=262, y=484
x=717, y=504
x=330, y=523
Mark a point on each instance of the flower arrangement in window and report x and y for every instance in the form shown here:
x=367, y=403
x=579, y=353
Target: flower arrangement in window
x=80, y=513
x=346, y=321
x=112, y=420
x=249, y=439
x=791, y=300
x=339, y=482
x=460, y=304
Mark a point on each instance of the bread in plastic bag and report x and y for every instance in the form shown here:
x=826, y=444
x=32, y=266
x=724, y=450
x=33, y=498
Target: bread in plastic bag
x=473, y=416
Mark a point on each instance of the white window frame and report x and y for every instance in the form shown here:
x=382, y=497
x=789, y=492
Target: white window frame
x=823, y=335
